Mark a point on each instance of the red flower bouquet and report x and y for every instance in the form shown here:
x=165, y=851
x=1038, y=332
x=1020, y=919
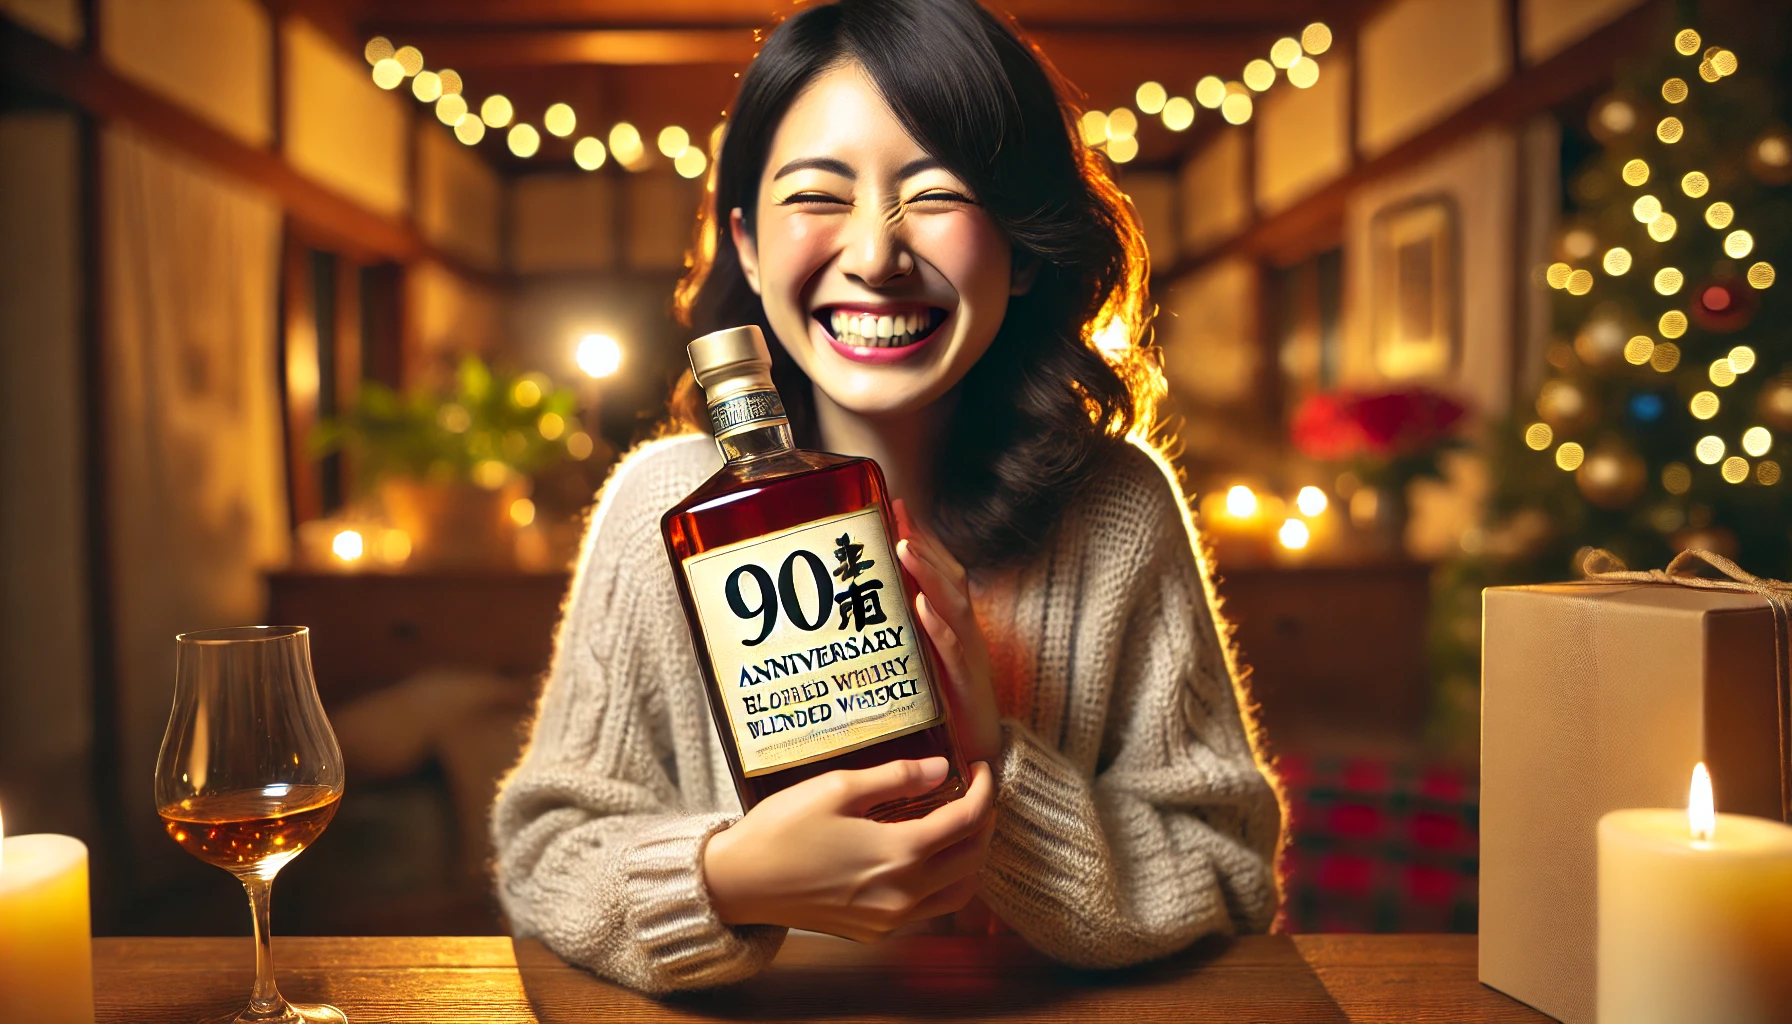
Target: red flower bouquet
x=1387, y=426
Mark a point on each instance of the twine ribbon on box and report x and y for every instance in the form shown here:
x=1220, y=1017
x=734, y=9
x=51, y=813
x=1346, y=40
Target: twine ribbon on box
x=1604, y=567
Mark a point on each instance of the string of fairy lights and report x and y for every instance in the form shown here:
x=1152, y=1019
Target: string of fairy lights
x=1664, y=356
x=1114, y=132
x=445, y=90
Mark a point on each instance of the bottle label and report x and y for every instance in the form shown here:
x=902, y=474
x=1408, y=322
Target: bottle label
x=745, y=411
x=812, y=641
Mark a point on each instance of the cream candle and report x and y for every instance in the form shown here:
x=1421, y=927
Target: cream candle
x=46, y=945
x=1695, y=916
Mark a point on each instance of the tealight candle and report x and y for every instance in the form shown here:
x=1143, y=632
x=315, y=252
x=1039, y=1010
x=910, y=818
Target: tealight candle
x=46, y=945
x=1695, y=916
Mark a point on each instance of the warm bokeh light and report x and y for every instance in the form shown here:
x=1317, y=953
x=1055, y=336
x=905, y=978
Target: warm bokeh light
x=1670, y=130
x=1316, y=38
x=1676, y=478
x=1122, y=123
x=1738, y=244
x=1710, y=449
x=1668, y=280
x=427, y=86
x=525, y=393
x=1580, y=282
x=1259, y=75
x=1311, y=501
x=451, y=110
x=377, y=49
x=490, y=474
x=1742, y=359
x=1304, y=74
x=1757, y=441
x=1236, y=108
x=1557, y=275
x=1617, y=261
x=1719, y=215
x=560, y=120
x=1735, y=469
x=1636, y=172
x=1569, y=456
x=1695, y=184
x=1179, y=113
x=451, y=83
x=578, y=445
x=1686, y=42
x=1095, y=127
x=1767, y=473
x=387, y=74
x=550, y=426
x=1122, y=150
x=1210, y=92
x=1539, y=436
x=524, y=140
x=1672, y=324
x=691, y=162
x=1703, y=406
x=1151, y=97
x=409, y=58
x=1284, y=52
x=1645, y=209
x=1665, y=357
x=348, y=545
x=599, y=355
x=1725, y=62
x=1674, y=90
x=673, y=140
x=522, y=511
x=1722, y=373
x=395, y=546
x=1761, y=275
x=589, y=153
x=496, y=111
x=1663, y=227
x=626, y=144
x=1294, y=534
x=1638, y=349
x=470, y=130
x=1241, y=502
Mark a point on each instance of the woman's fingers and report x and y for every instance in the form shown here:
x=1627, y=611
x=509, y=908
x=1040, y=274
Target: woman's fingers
x=856, y=791
x=949, y=900
x=946, y=825
x=932, y=548
x=946, y=642
x=950, y=598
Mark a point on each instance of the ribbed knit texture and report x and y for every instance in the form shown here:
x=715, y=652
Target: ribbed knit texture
x=1132, y=819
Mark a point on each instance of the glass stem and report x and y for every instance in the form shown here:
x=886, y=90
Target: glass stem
x=266, y=998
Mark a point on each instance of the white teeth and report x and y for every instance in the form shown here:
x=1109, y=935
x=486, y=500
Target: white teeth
x=884, y=324
x=865, y=330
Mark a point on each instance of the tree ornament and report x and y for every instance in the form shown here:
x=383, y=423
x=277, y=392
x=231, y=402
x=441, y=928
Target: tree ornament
x=1612, y=476
x=1723, y=306
x=1566, y=406
x=1775, y=403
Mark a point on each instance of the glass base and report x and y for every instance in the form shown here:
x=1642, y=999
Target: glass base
x=286, y=1013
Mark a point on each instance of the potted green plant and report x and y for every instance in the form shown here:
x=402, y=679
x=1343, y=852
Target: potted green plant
x=449, y=465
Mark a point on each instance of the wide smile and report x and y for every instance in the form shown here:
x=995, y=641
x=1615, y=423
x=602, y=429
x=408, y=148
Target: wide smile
x=879, y=333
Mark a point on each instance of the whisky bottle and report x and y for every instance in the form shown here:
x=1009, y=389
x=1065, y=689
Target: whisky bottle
x=802, y=618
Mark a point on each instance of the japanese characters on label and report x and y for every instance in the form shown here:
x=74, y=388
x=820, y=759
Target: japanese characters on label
x=811, y=640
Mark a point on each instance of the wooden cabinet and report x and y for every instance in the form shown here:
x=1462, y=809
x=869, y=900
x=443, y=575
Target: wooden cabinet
x=369, y=630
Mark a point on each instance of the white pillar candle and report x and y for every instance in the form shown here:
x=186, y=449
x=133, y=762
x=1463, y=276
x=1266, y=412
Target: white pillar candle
x=1695, y=916
x=46, y=936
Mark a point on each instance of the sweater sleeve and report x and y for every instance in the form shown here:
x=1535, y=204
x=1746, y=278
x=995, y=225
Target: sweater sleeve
x=1159, y=828
x=601, y=827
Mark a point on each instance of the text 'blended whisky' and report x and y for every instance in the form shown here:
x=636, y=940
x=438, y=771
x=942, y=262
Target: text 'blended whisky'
x=802, y=618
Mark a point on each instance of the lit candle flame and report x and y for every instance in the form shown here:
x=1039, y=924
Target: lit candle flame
x=1701, y=809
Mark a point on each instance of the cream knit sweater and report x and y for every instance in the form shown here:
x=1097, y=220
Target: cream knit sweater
x=1132, y=819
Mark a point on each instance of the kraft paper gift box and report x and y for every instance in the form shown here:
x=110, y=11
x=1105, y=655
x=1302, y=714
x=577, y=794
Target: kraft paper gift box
x=1598, y=696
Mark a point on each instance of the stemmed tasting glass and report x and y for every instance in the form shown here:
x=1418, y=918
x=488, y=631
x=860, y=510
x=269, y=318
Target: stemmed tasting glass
x=249, y=774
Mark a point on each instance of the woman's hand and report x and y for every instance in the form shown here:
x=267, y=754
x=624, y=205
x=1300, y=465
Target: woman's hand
x=945, y=611
x=807, y=857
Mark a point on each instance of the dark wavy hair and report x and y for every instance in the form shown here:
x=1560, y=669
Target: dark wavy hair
x=1067, y=377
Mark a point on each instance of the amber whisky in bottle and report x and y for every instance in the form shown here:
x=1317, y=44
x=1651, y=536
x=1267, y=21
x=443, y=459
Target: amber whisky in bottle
x=802, y=618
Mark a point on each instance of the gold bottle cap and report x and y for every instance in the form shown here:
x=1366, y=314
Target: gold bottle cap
x=734, y=368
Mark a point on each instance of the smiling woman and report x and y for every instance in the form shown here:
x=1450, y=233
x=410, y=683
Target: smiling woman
x=902, y=203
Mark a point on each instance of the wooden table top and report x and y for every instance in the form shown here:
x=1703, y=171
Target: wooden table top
x=1343, y=979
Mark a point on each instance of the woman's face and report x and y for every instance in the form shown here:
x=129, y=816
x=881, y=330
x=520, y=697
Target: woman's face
x=879, y=272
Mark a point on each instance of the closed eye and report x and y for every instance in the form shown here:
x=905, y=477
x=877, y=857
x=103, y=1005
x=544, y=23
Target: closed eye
x=806, y=198
x=940, y=195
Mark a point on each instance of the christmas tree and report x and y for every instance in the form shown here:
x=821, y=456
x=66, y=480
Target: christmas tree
x=1664, y=421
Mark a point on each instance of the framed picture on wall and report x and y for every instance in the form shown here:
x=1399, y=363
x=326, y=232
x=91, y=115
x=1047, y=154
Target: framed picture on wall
x=1416, y=288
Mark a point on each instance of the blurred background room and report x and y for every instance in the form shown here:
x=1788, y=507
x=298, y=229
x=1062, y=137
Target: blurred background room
x=336, y=313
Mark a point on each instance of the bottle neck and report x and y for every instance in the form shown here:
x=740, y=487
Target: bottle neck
x=757, y=442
